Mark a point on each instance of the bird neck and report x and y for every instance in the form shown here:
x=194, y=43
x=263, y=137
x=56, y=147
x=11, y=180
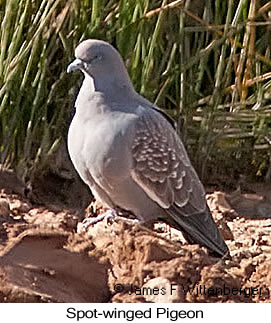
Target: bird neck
x=110, y=96
x=111, y=86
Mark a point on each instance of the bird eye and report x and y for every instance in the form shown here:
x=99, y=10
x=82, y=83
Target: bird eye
x=96, y=57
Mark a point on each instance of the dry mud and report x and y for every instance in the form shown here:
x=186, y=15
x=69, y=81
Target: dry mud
x=45, y=256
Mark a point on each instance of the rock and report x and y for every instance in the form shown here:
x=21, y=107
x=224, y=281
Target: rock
x=4, y=208
x=37, y=267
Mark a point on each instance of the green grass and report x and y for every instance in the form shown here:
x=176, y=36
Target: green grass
x=206, y=63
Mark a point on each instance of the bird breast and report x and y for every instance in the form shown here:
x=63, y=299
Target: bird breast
x=104, y=153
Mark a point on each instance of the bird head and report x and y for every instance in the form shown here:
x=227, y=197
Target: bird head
x=102, y=62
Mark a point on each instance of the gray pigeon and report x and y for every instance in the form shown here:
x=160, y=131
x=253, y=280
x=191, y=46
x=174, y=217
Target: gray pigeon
x=129, y=154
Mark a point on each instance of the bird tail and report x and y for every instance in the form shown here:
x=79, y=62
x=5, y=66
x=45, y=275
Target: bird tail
x=200, y=228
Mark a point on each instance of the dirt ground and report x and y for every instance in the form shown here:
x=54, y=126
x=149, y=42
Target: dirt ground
x=47, y=256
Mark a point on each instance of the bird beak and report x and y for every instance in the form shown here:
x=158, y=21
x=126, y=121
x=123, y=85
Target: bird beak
x=75, y=65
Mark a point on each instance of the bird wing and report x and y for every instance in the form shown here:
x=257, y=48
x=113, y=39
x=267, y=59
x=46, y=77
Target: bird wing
x=163, y=170
x=162, y=167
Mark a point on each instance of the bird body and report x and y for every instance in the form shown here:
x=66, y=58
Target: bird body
x=128, y=153
x=103, y=159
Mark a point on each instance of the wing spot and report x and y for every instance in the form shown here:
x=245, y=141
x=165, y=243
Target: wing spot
x=157, y=155
x=179, y=184
x=162, y=149
x=175, y=164
x=141, y=158
x=173, y=174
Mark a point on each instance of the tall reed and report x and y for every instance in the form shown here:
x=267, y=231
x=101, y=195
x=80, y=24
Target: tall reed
x=207, y=63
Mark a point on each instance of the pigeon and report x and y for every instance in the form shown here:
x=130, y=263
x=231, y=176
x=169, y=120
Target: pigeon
x=128, y=152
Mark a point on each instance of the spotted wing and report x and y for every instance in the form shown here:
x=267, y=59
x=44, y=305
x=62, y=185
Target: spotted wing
x=162, y=167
